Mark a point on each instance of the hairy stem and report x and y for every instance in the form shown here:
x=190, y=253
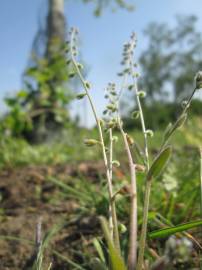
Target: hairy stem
x=111, y=227
x=109, y=182
x=132, y=253
x=148, y=183
x=201, y=179
x=146, y=151
x=112, y=208
x=182, y=113
x=144, y=226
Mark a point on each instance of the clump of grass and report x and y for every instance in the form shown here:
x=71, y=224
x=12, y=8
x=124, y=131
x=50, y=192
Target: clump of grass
x=152, y=168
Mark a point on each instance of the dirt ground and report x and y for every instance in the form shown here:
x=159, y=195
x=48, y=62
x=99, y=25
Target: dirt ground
x=27, y=197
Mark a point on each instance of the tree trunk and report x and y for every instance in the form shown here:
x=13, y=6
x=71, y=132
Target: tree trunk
x=55, y=27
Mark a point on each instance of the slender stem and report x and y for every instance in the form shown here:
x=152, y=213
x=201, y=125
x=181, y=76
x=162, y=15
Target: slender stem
x=148, y=183
x=111, y=227
x=182, y=113
x=189, y=101
x=201, y=178
x=132, y=254
x=200, y=253
x=144, y=226
x=110, y=189
x=132, y=250
x=112, y=207
x=146, y=152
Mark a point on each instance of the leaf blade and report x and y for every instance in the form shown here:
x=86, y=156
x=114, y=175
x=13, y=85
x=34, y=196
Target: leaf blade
x=117, y=262
x=159, y=163
x=175, y=229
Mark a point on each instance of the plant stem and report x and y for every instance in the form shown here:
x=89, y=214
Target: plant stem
x=132, y=253
x=201, y=178
x=109, y=182
x=148, y=183
x=144, y=226
x=200, y=255
x=146, y=152
x=182, y=113
x=112, y=207
x=111, y=228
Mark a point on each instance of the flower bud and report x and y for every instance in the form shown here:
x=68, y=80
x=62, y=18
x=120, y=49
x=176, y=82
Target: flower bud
x=113, y=93
x=68, y=62
x=105, y=112
x=135, y=115
x=136, y=75
x=140, y=167
x=91, y=142
x=127, y=71
x=125, y=190
x=81, y=95
x=122, y=228
x=149, y=133
x=79, y=65
x=184, y=103
x=115, y=139
x=111, y=124
x=116, y=163
x=198, y=80
x=111, y=107
x=130, y=87
x=141, y=94
x=102, y=122
x=87, y=84
x=130, y=140
x=72, y=74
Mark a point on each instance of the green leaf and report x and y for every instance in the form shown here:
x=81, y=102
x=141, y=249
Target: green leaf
x=99, y=250
x=116, y=260
x=159, y=163
x=96, y=264
x=172, y=128
x=175, y=229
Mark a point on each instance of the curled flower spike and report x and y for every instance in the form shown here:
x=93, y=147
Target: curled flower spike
x=198, y=80
x=149, y=133
x=116, y=163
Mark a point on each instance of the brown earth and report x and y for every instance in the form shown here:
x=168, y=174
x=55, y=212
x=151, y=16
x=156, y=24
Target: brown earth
x=26, y=197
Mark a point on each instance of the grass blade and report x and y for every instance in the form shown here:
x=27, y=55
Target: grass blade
x=117, y=262
x=99, y=250
x=175, y=229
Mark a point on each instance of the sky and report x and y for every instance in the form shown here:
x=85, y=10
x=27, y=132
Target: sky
x=101, y=38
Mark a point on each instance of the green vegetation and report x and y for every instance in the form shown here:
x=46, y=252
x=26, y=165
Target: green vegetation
x=109, y=123
x=125, y=194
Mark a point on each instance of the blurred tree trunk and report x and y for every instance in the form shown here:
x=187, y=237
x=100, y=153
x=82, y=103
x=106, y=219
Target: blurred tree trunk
x=49, y=95
x=55, y=27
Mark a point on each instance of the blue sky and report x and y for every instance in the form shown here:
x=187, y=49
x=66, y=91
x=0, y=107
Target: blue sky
x=102, y=38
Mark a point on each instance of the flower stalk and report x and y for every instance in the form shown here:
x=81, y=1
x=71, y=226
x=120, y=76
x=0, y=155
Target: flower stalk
x=86, y=86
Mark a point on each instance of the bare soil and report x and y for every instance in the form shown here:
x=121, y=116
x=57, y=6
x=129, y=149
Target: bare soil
x=26, y=197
